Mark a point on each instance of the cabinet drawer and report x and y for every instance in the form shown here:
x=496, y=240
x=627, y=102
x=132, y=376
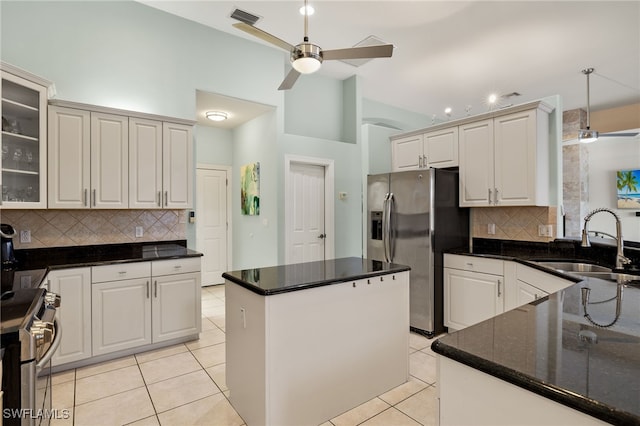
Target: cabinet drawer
x=474, y=263
x=120, y=271
x=175, y=266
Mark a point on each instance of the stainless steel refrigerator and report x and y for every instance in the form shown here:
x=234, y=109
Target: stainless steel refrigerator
x=413, y=217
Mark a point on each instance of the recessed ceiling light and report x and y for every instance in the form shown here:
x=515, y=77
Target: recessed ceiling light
x=307, y=10
x=492, y=98
x=217, y=115
x=448, y=110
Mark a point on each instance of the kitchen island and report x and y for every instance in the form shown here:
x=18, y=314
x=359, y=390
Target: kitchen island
x=572, y=357
x=306, y=342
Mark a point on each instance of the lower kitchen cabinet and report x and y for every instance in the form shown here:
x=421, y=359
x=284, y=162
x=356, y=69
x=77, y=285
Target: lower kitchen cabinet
x=473, y=290
x=176, y=306
x=74, y=313
x=121, y=315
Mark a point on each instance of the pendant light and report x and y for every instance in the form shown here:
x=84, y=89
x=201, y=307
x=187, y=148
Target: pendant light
x=587, y=135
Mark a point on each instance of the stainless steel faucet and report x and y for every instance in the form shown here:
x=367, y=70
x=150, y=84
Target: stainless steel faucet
x=621, y=259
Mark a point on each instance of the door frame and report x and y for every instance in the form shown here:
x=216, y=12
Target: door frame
x=228, y=170
x=329, y=204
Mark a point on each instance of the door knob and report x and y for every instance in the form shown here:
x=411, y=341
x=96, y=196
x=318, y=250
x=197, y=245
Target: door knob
x=321, y=236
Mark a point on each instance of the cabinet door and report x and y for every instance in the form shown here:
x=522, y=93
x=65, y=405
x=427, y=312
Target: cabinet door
x=177, y=170
x=121, y=315
x=74, y=313
x=476, y=164
x=145, y=164
x=441, y=148
x=176, y=306
x=515, y=159
x=406, y=153
x=69, y=158
x=471, y=297
x=109, y=161
x=24, y=143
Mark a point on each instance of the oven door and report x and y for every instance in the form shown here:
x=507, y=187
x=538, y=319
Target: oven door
x=44, y=385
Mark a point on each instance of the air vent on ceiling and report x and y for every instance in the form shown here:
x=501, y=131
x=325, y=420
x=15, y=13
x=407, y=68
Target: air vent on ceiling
x=243, y=16
x=369, y=41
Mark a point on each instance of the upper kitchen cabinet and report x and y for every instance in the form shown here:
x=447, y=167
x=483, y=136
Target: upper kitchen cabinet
x=88, y=159
x=438, y=148
x=114, y=159
x=504, y=160
x=161, y=164
x=24, y=139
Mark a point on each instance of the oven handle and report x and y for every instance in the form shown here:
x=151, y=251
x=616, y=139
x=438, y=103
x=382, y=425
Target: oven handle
x=52, y=349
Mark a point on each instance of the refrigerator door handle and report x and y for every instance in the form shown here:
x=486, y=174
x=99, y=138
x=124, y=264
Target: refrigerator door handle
x=386, y=226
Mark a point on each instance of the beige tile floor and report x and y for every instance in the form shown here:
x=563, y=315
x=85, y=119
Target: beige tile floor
x=185, y=385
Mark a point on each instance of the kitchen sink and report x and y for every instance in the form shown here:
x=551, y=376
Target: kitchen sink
x=611, y=276
x=578, y=267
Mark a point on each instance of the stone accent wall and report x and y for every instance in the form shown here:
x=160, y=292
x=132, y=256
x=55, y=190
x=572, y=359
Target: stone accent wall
x=575, y=172
x=513, y=223
x=56, y=228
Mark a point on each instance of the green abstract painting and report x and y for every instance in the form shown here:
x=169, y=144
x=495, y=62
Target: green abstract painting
x=250, y=189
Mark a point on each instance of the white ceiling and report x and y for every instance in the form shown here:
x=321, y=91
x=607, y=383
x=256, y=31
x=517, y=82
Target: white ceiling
x=455, y=53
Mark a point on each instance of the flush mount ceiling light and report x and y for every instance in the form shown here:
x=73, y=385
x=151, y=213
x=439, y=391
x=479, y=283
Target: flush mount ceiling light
x=217, y=115
x=307, y=10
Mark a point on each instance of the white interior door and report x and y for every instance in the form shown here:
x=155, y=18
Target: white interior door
x=307, y=224
x=211, y=224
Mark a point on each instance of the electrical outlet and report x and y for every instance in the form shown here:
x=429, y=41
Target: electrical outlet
x=491, y=229
x=139, y=231
x=25, y=236
x=545, y=230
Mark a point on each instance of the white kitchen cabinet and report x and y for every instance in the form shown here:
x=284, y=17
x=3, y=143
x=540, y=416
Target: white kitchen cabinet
x=161, y=164
x=473, y=290
x=74, y=314
x=504, y=160
x=176, y=301
x=24, y=140
x=177, y=165
x=121, y=307
x=432, y=149
x=141, y=303
x=145, y=163
x=88, y=159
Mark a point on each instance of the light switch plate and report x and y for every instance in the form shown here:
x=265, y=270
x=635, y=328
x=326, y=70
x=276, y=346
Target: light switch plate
x=139, y=231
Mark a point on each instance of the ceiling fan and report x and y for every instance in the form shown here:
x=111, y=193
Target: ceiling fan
x=587, y=135
x=307, y=57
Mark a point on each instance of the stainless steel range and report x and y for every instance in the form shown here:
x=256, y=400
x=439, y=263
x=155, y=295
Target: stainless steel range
x=30, y=336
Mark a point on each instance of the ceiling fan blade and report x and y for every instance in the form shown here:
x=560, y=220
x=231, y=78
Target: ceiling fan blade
x=619, y=134
x=289, y=80
x=381, y=51
x=257, y=32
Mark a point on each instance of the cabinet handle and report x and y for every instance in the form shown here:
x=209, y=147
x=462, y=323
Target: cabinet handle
x=354, y=285
x=424, y=162
x=147, y=289
x=94, y=197
x=496, y=197
x=419, y=161
x=166, y=198
x=159, y=198
x=499, y=292
x=489, y=189
x=155, y=289
x=84, y=197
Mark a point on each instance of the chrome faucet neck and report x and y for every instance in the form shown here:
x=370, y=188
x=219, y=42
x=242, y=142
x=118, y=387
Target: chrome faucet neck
x=621, y=259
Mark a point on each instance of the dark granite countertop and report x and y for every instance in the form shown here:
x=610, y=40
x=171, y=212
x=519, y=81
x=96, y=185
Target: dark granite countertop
x=300, y=276
x=551, y=348
x=103, y=254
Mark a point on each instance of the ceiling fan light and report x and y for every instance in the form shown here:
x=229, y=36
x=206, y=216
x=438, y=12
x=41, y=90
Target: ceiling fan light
x=587, y=136
x=306, y=58
x=217, y=115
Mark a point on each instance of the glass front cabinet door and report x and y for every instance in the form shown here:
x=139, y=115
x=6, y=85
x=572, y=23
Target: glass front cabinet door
x=24, y=140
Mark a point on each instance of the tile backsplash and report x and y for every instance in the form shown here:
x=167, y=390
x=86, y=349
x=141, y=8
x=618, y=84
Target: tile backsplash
x=514, y=223
x=56, y=228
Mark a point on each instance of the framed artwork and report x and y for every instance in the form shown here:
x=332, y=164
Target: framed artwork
x=250, y=189
x=628, y=184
